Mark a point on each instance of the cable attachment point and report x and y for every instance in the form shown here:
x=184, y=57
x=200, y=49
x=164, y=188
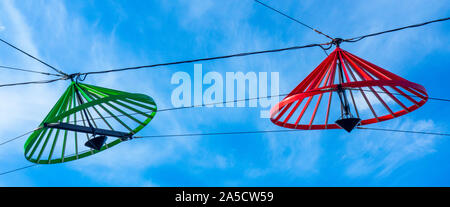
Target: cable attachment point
x=81, y=77
x=337, y=41
x=76, y=76
x=71, y=76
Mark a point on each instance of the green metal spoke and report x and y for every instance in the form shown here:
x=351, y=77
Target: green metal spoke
x=125, y=113
x=75, y=117
x=44, y=145
x=66, y=104
x=132, y=109
x=84, y=124
x=141, y=105
x=37, y=143
x=66, y=132
x=54, y=144
x=98, y=113
x=82, y=93
x=137, y=104
x=114, y=116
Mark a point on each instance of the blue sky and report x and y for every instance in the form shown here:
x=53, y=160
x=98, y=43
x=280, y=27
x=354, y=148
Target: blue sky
x=91, y=35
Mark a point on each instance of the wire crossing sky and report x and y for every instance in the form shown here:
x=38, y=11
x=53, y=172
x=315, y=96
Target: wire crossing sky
x=224, y=102
x=293, y=19
x=31, y=56
x=355, y=39
x=230, y=133
x=76, y=75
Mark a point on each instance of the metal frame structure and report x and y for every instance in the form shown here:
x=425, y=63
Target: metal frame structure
x=375, y=85
x=83, y=112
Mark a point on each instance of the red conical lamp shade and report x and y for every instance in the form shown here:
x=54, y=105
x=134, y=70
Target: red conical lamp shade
x=348, y=89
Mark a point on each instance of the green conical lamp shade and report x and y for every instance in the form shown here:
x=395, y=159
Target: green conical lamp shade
x=82, y=113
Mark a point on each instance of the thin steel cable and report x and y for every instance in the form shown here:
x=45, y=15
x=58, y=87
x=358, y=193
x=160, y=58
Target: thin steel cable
x=277, y=131
x=167, y=109
x=46, y=64
x=206, y=59
x=18, y=137
x=17, y=169
x=335, y=41
x=398, y=94
x=246, y=132
x=216, y=133
x=32, y=82
x=325, y=49
x=32, y=165
x=356, y=39
x=293, y=19
x=30, y=71
x=187, y=107
x=246, y=99
x=405, y=131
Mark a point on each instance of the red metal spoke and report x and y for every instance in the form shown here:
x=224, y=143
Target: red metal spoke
x=405, y=95
x=394, y=98
x=292, y=111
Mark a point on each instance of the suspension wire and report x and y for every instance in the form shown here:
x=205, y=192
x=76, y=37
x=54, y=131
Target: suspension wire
x=246, y=132
x=216, y=133
x=325, y=49
x=31, y=165
x=439, y=99
x=277, y=131
x=222, y=102
x=46, y=64
x=167, y=109
x=18, y=137
x=356, y=39
x=247, y=99
x=192, y=106
x=405, y=131
x=398, y=94
x=206, y=59
x=293, y=19
x=208, y=104
x=30, y=71
x=17, y=169
x=334, y=41
x=32, y=82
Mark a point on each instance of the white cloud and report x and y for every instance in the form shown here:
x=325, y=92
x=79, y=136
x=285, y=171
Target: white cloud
x=22, y=107
x=292, y=154
x=296, y=153
x=26, y=106
x=205, y=159
x=380, y=153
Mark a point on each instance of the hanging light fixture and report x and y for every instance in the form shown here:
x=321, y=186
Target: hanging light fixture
x=366, y=94
x=86, y=120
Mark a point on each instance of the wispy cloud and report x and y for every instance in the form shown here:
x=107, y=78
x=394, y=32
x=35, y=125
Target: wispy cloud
x=291, y=155
x=380, y=153
x=26, y=113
